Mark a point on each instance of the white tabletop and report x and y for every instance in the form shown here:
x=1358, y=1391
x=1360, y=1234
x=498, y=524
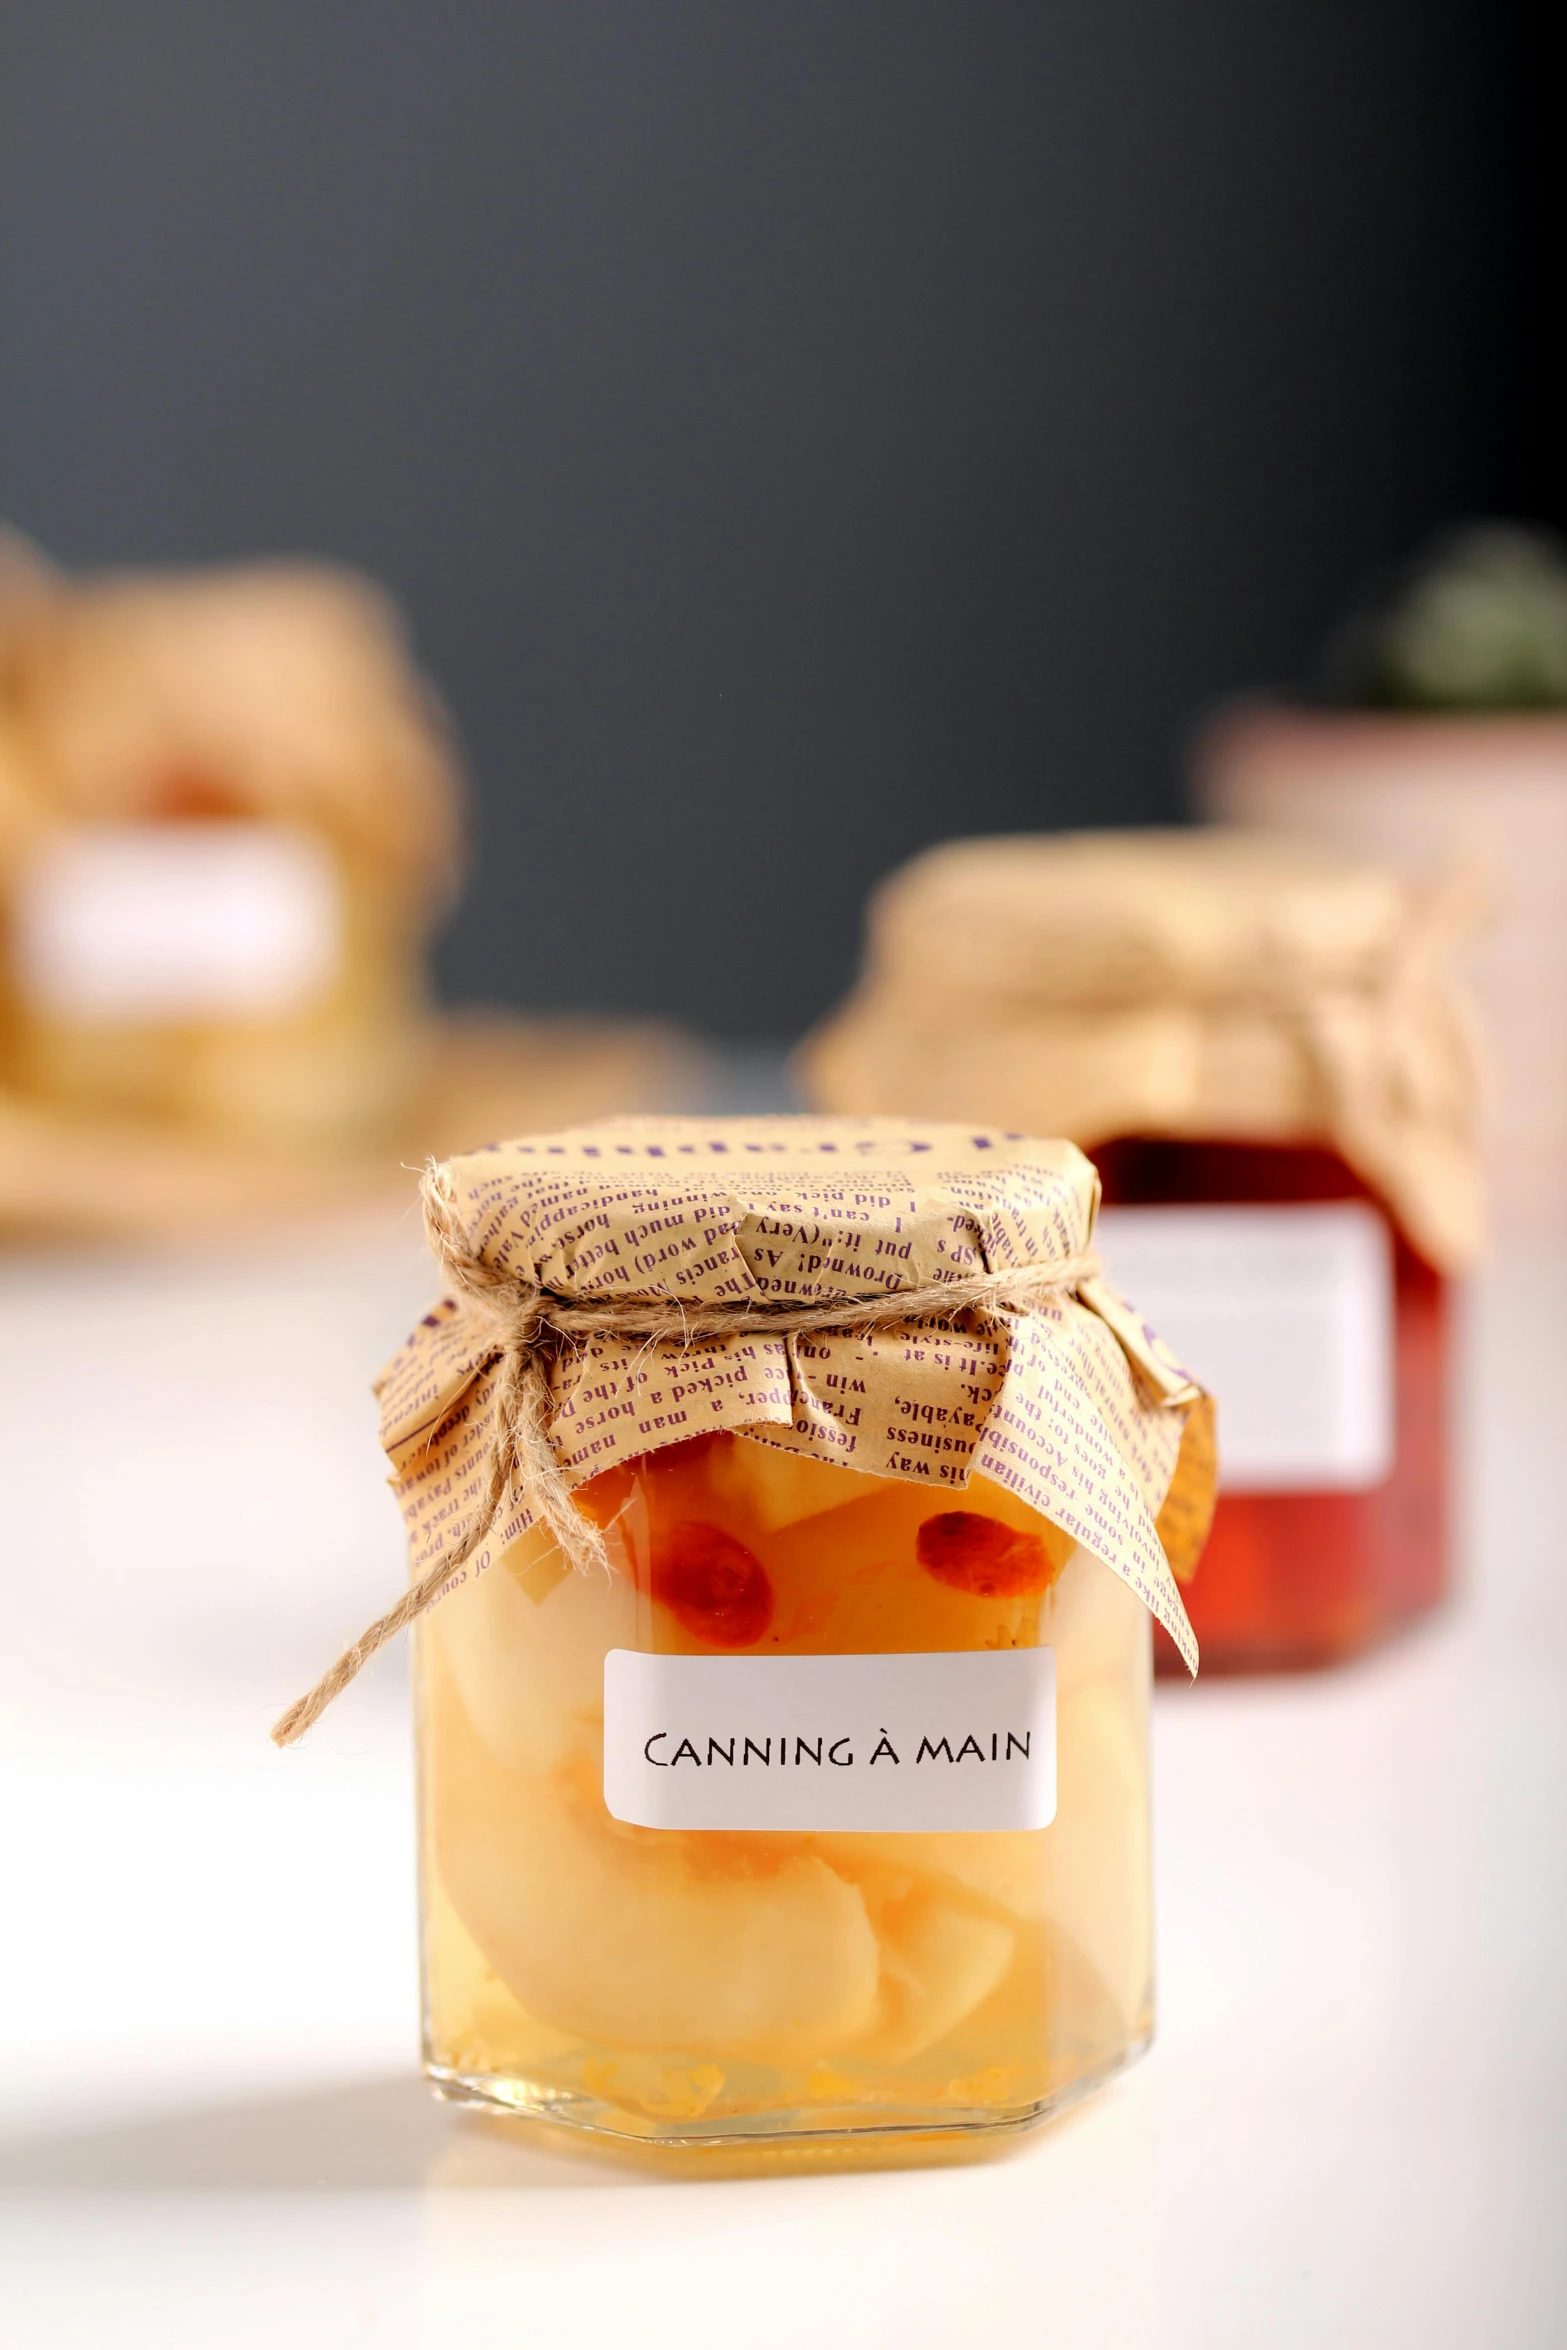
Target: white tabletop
x=1350, y=2130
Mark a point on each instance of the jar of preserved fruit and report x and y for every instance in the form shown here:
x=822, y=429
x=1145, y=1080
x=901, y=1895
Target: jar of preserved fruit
x=784, y=1653
x=1260, y=1045
x=229, y=815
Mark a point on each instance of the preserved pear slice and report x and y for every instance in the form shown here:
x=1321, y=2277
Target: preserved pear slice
x=640, y=1939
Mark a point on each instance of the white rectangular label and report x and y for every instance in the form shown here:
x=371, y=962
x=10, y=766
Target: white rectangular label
x=125, y=922
x=1286, y=1314
x=853, y=1743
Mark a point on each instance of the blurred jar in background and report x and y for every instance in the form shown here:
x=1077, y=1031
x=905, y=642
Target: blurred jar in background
x=1260, y=1044
x=229, y=812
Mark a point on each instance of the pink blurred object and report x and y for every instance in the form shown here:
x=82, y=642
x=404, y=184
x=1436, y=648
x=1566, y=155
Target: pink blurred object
x=1432, y=794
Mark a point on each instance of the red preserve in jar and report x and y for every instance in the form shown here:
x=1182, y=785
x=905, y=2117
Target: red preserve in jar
x=1294, y=1292
x=1260, y=1045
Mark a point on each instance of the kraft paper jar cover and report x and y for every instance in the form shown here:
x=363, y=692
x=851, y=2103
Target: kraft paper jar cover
x=1073, y=1405
x=280, y=690
x=1194, y=983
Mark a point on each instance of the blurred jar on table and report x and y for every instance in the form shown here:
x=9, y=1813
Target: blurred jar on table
x=229, y=813
x=1259, y=1043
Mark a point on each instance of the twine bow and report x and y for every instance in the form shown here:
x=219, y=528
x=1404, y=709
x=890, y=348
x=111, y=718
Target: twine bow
x=531, y=1325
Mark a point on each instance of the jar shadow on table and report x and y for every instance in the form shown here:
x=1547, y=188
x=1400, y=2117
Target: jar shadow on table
x=379, y=2135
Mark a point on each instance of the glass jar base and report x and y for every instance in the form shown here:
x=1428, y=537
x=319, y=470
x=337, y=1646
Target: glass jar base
x=813, y=2137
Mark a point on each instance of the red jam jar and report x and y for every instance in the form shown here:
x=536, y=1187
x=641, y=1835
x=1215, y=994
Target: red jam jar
x=1260, y=1044
x=1293, y=1292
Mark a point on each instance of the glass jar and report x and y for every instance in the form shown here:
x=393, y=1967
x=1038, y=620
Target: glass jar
x=226, y=974
x=229, y=812
x=1289, y=1287
x=805, y=1978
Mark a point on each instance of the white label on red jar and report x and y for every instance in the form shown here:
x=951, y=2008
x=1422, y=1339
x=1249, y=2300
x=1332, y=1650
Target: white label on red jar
x=128, y=922
x=853, y=1743
x=1286, y=1315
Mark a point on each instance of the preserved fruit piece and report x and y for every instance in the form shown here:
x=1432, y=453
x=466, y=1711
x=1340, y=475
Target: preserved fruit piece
x=768, y=1487
x=941, y=1958
x=717, y=1588
x=525, y=1652
x=769, y=1961
x=981, y=1555
x=1096, y=1862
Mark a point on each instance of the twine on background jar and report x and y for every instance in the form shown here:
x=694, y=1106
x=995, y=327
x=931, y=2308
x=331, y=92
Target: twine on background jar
x=530, y=1325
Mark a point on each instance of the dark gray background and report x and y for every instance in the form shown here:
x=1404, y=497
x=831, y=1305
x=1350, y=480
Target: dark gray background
x=796, y=431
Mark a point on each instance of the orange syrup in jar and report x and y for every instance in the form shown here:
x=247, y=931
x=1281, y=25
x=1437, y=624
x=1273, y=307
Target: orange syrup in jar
x=710, y=1987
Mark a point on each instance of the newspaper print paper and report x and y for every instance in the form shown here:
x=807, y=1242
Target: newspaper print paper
x=1075, y=1408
